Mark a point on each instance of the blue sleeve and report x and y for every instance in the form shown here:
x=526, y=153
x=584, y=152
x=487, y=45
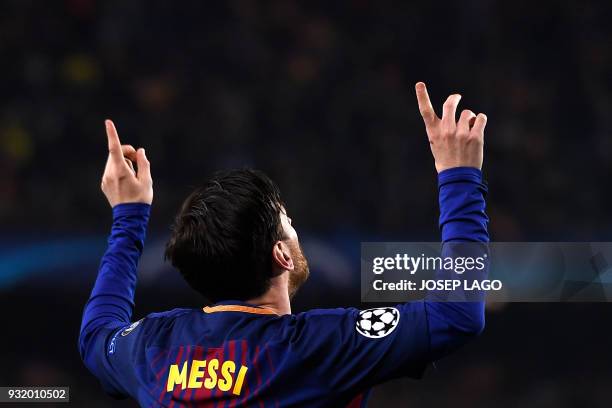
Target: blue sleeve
x=111, y=303
x=422, y=332
x=462, y=219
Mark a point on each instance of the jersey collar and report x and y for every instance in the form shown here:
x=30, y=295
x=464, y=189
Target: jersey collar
x=238, y=306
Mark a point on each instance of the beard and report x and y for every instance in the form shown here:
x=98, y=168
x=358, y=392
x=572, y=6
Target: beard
x=300, y=272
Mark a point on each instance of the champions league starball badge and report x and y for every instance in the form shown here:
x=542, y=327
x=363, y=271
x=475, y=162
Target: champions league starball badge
x=378, y=322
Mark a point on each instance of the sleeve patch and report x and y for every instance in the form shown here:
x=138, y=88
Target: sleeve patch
x=123, y=332
x=131, y=327
x=377, y=322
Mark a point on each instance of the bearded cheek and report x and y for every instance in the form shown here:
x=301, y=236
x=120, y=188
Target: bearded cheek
x=300, y=267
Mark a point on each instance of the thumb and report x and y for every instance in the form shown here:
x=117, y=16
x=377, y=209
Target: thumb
x=144, y=167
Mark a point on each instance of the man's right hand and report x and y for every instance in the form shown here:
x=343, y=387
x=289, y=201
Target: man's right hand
x=453, y=144
x=120, y=183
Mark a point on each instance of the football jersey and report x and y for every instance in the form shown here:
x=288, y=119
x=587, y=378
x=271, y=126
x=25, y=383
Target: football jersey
x=235, y=354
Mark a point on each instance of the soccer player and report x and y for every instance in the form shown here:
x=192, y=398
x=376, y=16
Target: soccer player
x=233, y=242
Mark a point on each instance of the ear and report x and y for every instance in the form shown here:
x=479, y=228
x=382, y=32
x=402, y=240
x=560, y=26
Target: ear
x=281, y=256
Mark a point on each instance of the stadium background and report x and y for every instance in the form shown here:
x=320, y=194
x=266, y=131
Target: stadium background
x=319, y=95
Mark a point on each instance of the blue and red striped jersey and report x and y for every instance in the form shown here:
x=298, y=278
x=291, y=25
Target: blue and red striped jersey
x=236, y=354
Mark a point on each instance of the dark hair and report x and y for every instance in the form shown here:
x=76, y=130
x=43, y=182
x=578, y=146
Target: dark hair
x=222, y=238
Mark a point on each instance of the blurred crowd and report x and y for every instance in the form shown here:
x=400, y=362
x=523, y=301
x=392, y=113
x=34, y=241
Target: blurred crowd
x=320, y=95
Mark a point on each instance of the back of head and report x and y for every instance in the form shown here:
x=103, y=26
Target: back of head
x=223, y=236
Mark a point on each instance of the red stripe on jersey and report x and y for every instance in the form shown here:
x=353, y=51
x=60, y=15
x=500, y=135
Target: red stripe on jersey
x=155, y=386
x=258, y=375
x=160, y=373
x=356, y=402
x=270, y=363
x=269, y=356
x=232, y=356
x=245, y=386
x=220, y=398
x=157, y=357
x=202, y=394
x=178, y=359
x=188, y=356
x=179, y=392
x=218, y=354
x=198, y=352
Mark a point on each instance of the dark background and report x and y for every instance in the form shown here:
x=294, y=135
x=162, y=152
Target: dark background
x=320, y=95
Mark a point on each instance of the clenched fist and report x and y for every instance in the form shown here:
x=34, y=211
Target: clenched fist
x=453, y=144
x=120, y=182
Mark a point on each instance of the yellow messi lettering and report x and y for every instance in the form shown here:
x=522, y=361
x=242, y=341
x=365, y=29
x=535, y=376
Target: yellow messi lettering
x=227, y=369
x=196, y=374
x=240, y=380
x=211, y=381
x=175, y=377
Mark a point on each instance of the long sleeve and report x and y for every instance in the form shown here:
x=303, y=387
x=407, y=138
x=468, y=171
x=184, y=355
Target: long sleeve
x=462, y=205
x=462, y=219
x=111, y=302
x=424, y=331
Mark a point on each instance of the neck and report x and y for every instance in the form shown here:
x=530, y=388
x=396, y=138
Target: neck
x=277, y=297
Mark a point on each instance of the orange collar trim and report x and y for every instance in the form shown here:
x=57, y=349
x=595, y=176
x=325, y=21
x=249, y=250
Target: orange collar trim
x=238, y=308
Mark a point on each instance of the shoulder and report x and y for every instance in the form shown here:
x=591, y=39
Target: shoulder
x=157, y=322
x=343, y=324
x=167, y=317
x=326, y=314
x=170, y=314
x=318, y=324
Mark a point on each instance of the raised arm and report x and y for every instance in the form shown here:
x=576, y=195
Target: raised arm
x=421, y=331
x=110, y=305
x=457, y=147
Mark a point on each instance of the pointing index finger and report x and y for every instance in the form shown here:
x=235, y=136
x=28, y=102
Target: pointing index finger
x=425, y=107
x=114, y=145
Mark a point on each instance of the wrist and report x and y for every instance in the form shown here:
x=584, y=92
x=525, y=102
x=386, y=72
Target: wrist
x=440, y=168
x=460, y=174
x=131, y=209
